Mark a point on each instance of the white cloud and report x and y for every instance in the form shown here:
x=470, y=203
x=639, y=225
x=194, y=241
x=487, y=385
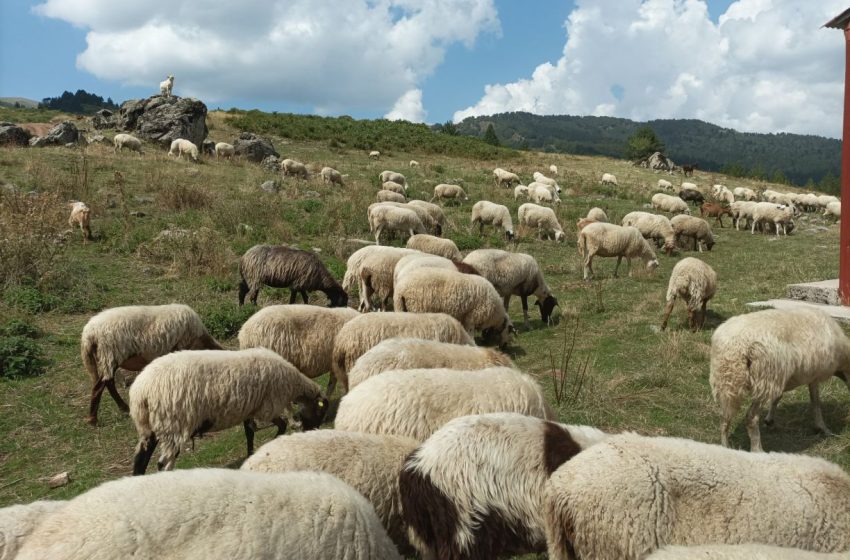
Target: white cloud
x=766, y=66
x=408, y=107
x=334, y=55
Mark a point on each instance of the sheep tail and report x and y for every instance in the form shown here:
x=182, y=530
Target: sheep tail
x=140, y=413
x=89, y=355
x=582, y=244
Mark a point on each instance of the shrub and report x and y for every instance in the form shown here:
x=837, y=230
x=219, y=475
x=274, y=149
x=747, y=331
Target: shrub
x=223, y=320
x=20, y=355
x=30, y=227
x=183, y=197
x=28, y=298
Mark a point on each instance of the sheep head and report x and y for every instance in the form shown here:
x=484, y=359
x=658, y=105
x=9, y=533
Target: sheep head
x=313, y=412
x=547, y=305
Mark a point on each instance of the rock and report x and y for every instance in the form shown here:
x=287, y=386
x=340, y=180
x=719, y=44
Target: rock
x=58, y=480
x=13, y=134
x=271, y=186
x=103, y=119
x=63, y=133
x=311, y=194
x=143, y=199
x=163, y=119
x=208, y=147
x=38, y=141
x=253, y=147
x=272, y=163
x=658, y=162
x=96, y=138
x=137, y=214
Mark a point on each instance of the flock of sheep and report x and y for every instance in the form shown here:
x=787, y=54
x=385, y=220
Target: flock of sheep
x=441, y=447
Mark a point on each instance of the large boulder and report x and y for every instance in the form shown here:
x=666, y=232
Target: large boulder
x=253, y=147
x=63, y=134
x=658, y=162
x=163, y=119
x=103, y=119
x=13, y=134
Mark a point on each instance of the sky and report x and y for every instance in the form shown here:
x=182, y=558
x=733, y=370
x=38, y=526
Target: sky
x=751, y=65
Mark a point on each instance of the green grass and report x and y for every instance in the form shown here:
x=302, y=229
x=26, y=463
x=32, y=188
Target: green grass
x=638, y=378
x=24, y=115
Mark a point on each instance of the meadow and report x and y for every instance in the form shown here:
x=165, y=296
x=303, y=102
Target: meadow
x=616, y=369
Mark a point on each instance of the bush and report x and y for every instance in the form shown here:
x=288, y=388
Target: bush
x=16, y=327
x=29, y=298
x=223, y=320
x=20, y=355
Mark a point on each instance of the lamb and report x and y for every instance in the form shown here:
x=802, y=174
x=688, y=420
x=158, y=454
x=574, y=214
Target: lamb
x=833, y=209
x=448, y=192
x=370, y=463
x=331, y=176
x=553, y=169
x=214, y=513
x=224, y=150
x=653, y=226
x=670, y=204
x=520, y=190
x=121, y=141
x=283, y=267
x=181, y=147
x=403, y=220
x=166, y=86
x=17, y=522
x=434, y=212
x=740, y=552
x=540, y=217
x=186, y=394
x=744, y=193
x=609, y=240
x=608, y=179
x=769, y=352
x=490, y=213
x=131, y=337
x=301, y=334
x=392, y=176
x=292, y=168
x=360, y=334
x=514, y=274
x=476, y=488
x=374, y=154
x=691, y=195
x=434, y=246
x=629, y=495
x=665, y=184
x=81, y=216
x=390, y=196
x=712, y=209
x=376, y=276
x=776, y=214
x=414, y=163
x=597, y=214
x=538, y=193
x=414, y=353
x=417, y=402
x=695, y=282
x=504, y=178
x=695, y=228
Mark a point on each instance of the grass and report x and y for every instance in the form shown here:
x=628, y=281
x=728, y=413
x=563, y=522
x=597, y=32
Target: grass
x=636, y=378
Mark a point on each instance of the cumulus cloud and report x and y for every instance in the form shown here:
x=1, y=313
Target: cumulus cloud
x=765, y=66
x=333, y=55
x=408, y=107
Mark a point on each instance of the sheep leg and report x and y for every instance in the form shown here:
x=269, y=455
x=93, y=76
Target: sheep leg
x=378, y=235
x=252, y=295
x=144, y=452
x=668, y=309
x=280, y=422
x=768, y=420
x=96, y=393
x=729, y=409
x=753, y=415
x=249, y=435
x=524, y=300
x=292, y=294
x=702, y=314
x=304, y=296
x=753, y=230
x=331, y=385
x=588, y=267
x=814, y=395
x=480, y=229
x=113, y=392
x=616, y=268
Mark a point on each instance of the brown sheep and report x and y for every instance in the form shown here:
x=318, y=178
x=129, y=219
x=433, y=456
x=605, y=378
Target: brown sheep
x=714, y=210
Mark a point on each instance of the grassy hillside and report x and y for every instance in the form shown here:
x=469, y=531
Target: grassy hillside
x=18, y=101
x=637, y=379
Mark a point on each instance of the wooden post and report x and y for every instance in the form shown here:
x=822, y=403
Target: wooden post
x=844, y=247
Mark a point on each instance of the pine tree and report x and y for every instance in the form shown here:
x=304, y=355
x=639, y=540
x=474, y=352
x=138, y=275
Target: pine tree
x=490, y=136
x=643, y=143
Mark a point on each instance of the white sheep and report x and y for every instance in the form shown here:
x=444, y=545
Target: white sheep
x=133, y=336
x=417, y=402
x=553, y=169
x=292, y=168
x=548, y=181
x=742, y=210
x=833, y=208
x=214, y=513
x=121, y=141
x=374, y=154
x=744, y=193
x=424, y=260
x=485, y=212
x=369, y=463
x=771, y=213
x=695, y=282
x=540, y=194
x=610, y=240
x=384, y=195
x=435, y=246
x=376, y=276
x=825, y=199
x=504, y=178
x=402, y=220
x=301, y=334
x=181, y=147
x=690, y=186
x=448, y=192
x=224, y=150
x=414, y=163
x=393, y=177
x=653, y=226
x=597, y=214
x=520, y=191
x=722, y=194
x=351, y=278
x=81, y=216
x=695, y=228
x=768, y=352
x=533, y=216
x=669, y=203
x=740, y=552
x=416, y=353
x=665, y=184
x=629, y=495
x=608, y=179
x=184, y=394
x=490, y=472
x=18, y=521
x=437, y=217
x=331, y=176
x=394, y=187
x=166, y=86
x=514, y=274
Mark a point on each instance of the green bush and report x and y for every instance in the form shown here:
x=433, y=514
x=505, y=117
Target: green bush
x=20, y=355
x=223, y=320
x=29, y=298
x=16, y=327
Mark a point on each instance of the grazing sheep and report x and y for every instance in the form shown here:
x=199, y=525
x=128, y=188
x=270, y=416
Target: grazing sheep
x=353, y=266
x=376, y=276
x=415, y=353
x=181, y=147
x=424, y=260
x=767, y=353
x=670, y=204
x=357, y=336
x=402, y=220
x=653, y=226
x=224, y=150
x=121, y=141
x=694, y=228
x=393, y=177
x=722, y=194
x=553, y=169
x=742, y=210
x=695, y=282
x=629, y=495
x=744, y=193
x=186, y=394
x=331, y=176
x=608, y=179
x=81, y=216
x=691, y=195
x=131, y=337
x=504, y=178
x=394, y=187
x=539, y=193
x=435, y=246
x=584, y=222
x=712, y=209
x=490, y=213
x=17, y=522
x=374, y=154
x=417, y=402
x=833, y=209
x=283, y=267
x=597, y=214
x=542, y=179
x=825, y=199
x=448, y=192
x=540, y=217
x=740, y=552
x=214, y=513
x=520, y=191
x=292, y=168
x=514, y=274
x=166, y=86
x=390, y=196
x=301, y=334
x=665, y=184
x=414, y=163
x=435, y=212
x=476, y=488
x=771, y=213
x=610, y=240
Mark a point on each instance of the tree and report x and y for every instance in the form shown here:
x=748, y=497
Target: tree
x=643, y=143
x=449, y=128
x=490, y=136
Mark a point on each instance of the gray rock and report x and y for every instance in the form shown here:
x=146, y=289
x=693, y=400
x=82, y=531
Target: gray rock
x=11, y=133
x=63, y=133
x=91, y=139
x=271, y=186
x=253, y=147
x=311, y=194
x=38, y=141
x=103, y=119
x=272, y=163
x=164, y=119
x=137, y=214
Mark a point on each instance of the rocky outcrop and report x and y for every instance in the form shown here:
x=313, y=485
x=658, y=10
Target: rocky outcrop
x=272, y=163
x=253, y=147
x=658, y=162
x=103, y=119
x=163, y=119
x=12, y=134
x=63, y=134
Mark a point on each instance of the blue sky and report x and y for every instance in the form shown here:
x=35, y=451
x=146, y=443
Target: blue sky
x=444, y=58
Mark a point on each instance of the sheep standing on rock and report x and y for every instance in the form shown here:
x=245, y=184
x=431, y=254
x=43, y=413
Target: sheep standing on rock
x=283, y=267
x=489, y=213
x=695, y=228
x=653, y=226
x=181, y=147
x=224, y=150
x=121, y=141
x=504, y=178
x=393, y=177
x=166, y=86
x=133, y=336
x=81, y=216
x=292, y=168
x=608, y=179
x=186, y=394
x=533, y=216
x=448, y=192
x=610, y=240
x=388, y=218
x=670, y=204
x=435, y=246
x=767, y=353
x=695, y=282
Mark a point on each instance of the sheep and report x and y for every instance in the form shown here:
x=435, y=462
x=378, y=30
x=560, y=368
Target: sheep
x=490, y=213
x=370, y=463
x=584, y=222
x=354, y=264
x=437, y=217
x=722, y=194
x=394, y=187
x=695, y=282
x=414, y=163
x=768, y=352
x=292, y=168
x=477, y=486
x=376, y=276
x=331, y=176
x=553, y=169
x=374, y=154
x=393, y=177
x=504, y=178
x=425, y=260
x=447, y=192
x=653, y=226
x=777, y=214
x=670, y=204
x=435, y=246
x=214, y=513
x=691, y=195
x=739, y=552
x=533, y=216
x=166, y=86
x=181, y=147
x=665, y=184
x=609, y=240
x=121, y=141
x=131, y=337
x=514, y=274
x=186, y=394
x=390, y=196
x=597, y=214
x=810, y=202
x=284, y=267
x=415, y=353
x=360, y=334
x=469, y=298
x=825, y=199
x=520, y=190
x=689, y=186
x=301, y=334
x=742, y=210
x=548, y=181
x=744, y=193
x=833, y=209
x=608, y=179
x=695, y=228
x=403, y=220
x=18, y=521
x=81, y=216
x=224, y=150
x=712, y=209
x=628, y=495
x=417, y=402
x=538, y=193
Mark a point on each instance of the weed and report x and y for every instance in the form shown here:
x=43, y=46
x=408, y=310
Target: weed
x=563, y=375
x=20, y=355
x=223, y=320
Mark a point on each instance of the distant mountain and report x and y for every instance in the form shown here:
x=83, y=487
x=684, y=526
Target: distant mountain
x=793, y=157
x=18, y=102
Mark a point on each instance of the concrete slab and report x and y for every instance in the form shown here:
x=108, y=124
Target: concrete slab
x=825, y=291
x=838, y=312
